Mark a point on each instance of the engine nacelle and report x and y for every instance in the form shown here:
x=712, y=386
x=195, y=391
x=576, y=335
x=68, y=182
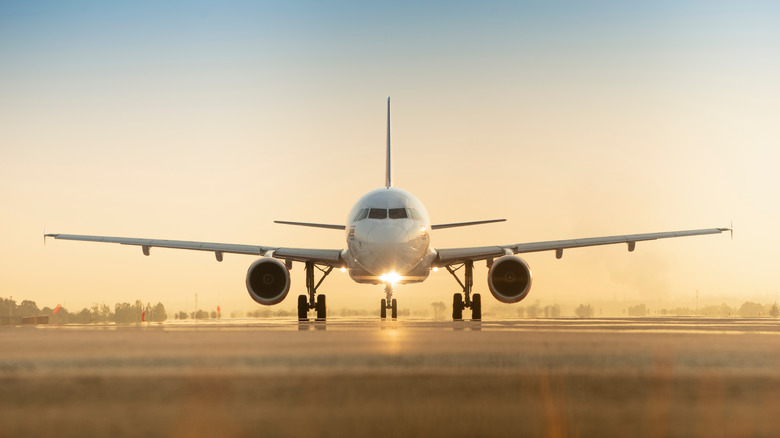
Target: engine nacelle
x=509, y=279
x=268, y=281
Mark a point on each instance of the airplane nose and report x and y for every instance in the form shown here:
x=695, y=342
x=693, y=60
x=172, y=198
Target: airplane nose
x=389, y=250
x=388, y=235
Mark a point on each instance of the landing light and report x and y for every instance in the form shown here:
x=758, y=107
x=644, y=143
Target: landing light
x=435, y=269
x=343, y=269
x=391, y=278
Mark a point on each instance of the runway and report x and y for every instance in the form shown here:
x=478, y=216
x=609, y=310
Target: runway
x=277, y=377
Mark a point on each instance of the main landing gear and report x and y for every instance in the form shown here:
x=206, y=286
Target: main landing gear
x=389, y=303
x=458, y=302
x=313, y=301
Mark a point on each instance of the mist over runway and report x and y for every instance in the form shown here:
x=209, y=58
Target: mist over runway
x=279, y=377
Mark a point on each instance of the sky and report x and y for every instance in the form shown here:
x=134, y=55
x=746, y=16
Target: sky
x=209, y=120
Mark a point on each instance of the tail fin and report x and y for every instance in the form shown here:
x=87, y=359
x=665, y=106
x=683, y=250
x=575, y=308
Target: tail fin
x=388, y=181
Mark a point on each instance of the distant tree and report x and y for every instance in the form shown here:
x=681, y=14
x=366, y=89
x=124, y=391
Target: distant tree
x=552, y=311
x=101, y=313
x=284, y=313
x=584, y=311
x=521, y=312
x=533, y=310
x=125, y=313
x=750, y=309
x=181, y=315
x=27, y=308
x=638, y=310
x=438, y=309
x=159, y=313
x=266, y=312
x=7, y=307
x=774, y=312
x=683, y=311
x=84, y=316
x=61, y=317
x=200, y=314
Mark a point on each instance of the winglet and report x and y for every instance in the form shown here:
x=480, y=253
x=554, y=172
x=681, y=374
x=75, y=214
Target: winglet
x=730, y=229
x=388, y=181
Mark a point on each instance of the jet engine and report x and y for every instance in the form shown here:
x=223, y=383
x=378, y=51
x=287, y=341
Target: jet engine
x=509, y=279
x=268, y=281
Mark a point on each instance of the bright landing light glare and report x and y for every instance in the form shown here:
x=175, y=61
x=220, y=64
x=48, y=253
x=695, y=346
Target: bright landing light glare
x=391, y=278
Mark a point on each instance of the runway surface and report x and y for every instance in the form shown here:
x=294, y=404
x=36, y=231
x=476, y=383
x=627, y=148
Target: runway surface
x=358, y=377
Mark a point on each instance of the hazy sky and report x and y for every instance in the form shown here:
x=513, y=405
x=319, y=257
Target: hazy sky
x=207, y=121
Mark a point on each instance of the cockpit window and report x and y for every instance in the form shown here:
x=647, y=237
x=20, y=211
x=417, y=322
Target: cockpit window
x=362, y=214
x=397, y=213
x=377, y=213
x=413, y=214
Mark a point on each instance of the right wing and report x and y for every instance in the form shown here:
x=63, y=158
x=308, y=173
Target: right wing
x=330, y=257
x=449, y=256
x=314, y=225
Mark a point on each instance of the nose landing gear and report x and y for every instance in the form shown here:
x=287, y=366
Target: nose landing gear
x=389, y=303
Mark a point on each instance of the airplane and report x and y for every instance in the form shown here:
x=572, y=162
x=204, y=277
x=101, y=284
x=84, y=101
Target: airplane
x=388, y=242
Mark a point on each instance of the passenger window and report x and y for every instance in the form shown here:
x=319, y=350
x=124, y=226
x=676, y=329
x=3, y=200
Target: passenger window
x=398, y=213
x=377, y=213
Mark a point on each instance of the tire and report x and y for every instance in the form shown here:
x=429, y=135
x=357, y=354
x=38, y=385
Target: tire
x=321, y=308
x=457, y=307
x=303, y=308
x=394, y=309
x=383, y=310
x=476, y=307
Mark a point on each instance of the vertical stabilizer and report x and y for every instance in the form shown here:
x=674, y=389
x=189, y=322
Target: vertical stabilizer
x=388, y=181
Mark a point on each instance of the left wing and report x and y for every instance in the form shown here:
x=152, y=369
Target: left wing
x=330, y=257
x=465, y=224
x=449, y=256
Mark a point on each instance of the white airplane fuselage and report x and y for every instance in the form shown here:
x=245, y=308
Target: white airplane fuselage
x=388, y=238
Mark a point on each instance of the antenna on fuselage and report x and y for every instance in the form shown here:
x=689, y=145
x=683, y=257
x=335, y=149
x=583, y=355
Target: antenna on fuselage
x=388, y=181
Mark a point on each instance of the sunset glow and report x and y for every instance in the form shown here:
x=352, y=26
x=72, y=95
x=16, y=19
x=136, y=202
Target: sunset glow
x=198, y=121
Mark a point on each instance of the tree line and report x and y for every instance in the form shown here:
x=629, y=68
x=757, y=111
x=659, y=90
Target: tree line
x=97, y=313
x=747, y=309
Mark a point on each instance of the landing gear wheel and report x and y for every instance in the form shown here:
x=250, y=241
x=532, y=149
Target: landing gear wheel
x=457, y=307
x=394, y=309
x=476, y=307
x=383, y=311
x=303, y=308
x=320, y=307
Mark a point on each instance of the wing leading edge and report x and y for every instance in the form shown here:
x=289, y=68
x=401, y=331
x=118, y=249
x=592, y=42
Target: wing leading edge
x=331, y=257
x=449, y=256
